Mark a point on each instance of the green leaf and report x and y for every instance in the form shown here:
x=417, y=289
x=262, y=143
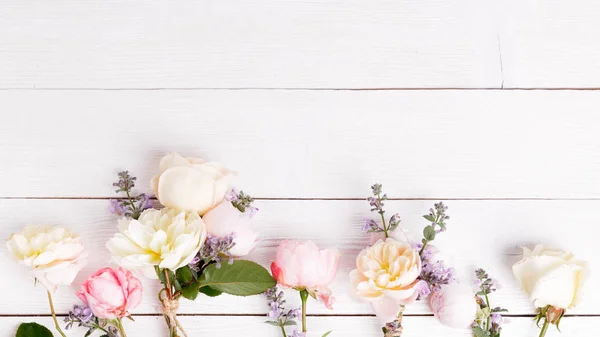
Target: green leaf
x=290, y=323
x=273, y=323
x=429, y=217
x=429, y=233
x=210, y=292
x=184, y=275
x=327, y=333
x=241, y=278
x=479, y=332
x=190, y=291
x=33, y=330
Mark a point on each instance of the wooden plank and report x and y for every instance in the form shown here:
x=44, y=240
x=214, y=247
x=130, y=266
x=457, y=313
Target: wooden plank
x=241, y=44
x=549, y=44
x=308, y=144
x=341, y=326
x=481, y=234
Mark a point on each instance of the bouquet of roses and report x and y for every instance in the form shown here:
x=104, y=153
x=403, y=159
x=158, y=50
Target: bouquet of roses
x=393, y=272
x=204, y=220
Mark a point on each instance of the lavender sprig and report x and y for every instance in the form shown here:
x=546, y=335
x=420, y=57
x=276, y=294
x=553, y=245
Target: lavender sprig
x=214, y=249
x=83, y=317
x=278, y=316
x=438, y=217
x=434, y=273
x=377, y=204
x=489, y=320
x=242, y=201
x=130, y=207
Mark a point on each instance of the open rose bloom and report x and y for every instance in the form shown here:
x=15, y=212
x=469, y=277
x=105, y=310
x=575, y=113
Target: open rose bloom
x=551, y=277
x=111, y=293
x=303, y=266
x=54, y=254
x=386, y=275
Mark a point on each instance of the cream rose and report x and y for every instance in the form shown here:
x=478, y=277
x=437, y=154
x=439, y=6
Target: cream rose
x=191, y=184
x=551, y=277
x=165, y=238
x=54, y=254
x=386, y=274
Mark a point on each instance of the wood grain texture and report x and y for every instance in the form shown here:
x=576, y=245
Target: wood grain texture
x=341, y=326
x=549, y=44
x=308, y=144
x=241, y=44
x=481, y=234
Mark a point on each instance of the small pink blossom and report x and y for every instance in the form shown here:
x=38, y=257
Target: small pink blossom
x=111, y=293
x=304, y=266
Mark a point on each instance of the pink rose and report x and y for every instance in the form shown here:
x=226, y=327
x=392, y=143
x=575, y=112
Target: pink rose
x=226, y=219
x=110, y=293
x=304, y=266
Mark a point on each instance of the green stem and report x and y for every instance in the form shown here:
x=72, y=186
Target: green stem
x=282, y=330
x=121, y=329
x=489, y=318
x=304, y=297
x=423, y=248
x=54, y=315
x=385, y=229
x=545, y=327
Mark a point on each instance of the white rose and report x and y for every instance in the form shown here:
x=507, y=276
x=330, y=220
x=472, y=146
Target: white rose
x=454, y=305
x=224, y=220
x=551, y=277
x=165, y=238
x=191, y=184
x=54, y=254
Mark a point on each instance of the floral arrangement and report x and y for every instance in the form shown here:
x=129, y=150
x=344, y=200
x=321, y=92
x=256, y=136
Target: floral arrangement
x=554, y=280
x=393, y=272
x=195, y=242
x=307, y=269
x=204, y=220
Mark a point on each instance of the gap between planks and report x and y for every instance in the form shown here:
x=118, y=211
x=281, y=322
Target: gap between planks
x=308, y=89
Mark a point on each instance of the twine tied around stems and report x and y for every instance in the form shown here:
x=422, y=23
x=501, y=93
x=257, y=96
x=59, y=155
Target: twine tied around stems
x=169, y=309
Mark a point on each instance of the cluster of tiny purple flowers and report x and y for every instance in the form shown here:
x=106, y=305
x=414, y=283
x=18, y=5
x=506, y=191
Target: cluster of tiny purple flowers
x=434, y=273
x=214, y=249
x=130, y=206
x=377, y=204
x=83, y=317
x=242, y=201
x=278, y=315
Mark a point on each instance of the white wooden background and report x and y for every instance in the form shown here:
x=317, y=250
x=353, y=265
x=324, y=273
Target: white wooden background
x=311, y=101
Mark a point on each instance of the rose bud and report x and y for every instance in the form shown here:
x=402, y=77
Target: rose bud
x=454, y=305
x=191, y=184
x=224, y=220
x=111, y=293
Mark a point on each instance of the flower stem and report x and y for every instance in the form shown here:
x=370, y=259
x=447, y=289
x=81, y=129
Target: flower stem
x=54, y=315
x=121, y=329
x=544, y=328
x=282, y=330
x=423, y=248
x=489, y=318
x=304, y=297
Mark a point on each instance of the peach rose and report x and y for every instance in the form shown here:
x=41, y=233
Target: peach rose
x=303, y=266
x=191, y=184
x=111, y=293
x=386, y=275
